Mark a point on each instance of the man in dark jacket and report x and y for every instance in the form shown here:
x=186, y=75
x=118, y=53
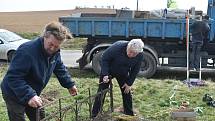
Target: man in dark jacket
x=30, y=71
x=122, y=60
x=199, y=31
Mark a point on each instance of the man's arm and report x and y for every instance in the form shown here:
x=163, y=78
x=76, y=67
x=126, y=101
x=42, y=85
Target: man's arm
x=134, y=71
x=206, y=29
x=16, y=77
x=107, y=57
x=62, y=74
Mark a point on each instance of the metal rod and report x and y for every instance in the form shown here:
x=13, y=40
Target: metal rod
x=38, y=114
x=90, y=103
x=76, y=110
x=111, y=95
x=200, y=69
x=60, y=109
x=187, y=44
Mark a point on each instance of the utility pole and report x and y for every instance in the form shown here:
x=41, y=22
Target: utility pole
x=137, y=5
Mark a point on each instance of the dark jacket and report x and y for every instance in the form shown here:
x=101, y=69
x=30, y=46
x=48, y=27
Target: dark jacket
x=116, y=62
x=30, y=71
x=199, y=30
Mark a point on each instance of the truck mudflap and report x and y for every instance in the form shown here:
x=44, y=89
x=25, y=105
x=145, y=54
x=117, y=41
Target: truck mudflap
x=82, y=61
x=91, y=43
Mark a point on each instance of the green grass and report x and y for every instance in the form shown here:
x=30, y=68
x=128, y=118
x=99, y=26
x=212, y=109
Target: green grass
x=30, y=36
x=72, y=44
x=150, y=96
x=3, y=112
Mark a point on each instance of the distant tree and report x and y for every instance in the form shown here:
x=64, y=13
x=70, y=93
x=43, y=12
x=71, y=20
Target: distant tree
x=77, y=7
x=171, y=4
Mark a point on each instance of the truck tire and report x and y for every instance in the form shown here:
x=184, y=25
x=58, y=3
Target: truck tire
x=96, y=62
x=148, y=66
x=10, y=55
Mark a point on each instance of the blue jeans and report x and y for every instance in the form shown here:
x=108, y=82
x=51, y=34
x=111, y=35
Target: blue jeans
x=195, y=55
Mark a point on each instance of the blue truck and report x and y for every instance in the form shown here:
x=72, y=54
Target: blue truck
x=164, y=39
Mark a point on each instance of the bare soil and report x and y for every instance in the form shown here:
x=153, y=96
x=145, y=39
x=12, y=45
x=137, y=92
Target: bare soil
x=34, y=21
x=49, y=96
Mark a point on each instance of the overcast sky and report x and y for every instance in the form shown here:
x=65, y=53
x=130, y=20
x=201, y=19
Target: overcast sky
x=39, y=5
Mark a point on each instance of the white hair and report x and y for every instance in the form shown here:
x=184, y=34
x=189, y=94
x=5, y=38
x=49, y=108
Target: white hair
x=136, y=45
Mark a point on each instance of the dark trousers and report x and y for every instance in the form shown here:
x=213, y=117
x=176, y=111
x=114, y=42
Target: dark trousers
x=195, y=55
x=16, y=111
x=127, y=98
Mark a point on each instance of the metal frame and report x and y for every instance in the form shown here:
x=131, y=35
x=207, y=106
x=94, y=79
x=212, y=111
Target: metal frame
x=62, y=112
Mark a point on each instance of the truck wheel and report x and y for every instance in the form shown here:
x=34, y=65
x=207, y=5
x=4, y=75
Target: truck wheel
x=148, y=66
x=96, y=62
x=10, y=55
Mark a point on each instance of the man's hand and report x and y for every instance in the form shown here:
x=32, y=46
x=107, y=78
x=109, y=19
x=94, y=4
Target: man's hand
x=105, y=79
x=73, y=90
x=35, y=102
x=127, y=88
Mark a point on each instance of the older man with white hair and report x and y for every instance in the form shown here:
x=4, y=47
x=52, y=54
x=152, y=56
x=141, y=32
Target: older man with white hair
x=122, y=60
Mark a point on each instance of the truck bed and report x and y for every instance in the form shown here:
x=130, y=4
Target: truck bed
x=127, y=28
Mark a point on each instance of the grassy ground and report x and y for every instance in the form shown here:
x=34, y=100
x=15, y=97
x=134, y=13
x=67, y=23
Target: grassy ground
x=72, y=44
x=3, y=112
x=150, y=96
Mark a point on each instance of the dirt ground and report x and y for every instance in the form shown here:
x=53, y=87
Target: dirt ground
x=29, y=21
x=35, y=21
